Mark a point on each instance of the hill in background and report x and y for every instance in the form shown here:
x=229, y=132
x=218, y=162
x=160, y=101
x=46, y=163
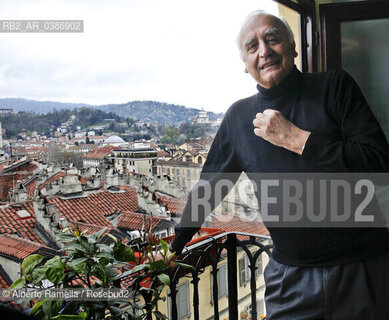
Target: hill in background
x=148, y=111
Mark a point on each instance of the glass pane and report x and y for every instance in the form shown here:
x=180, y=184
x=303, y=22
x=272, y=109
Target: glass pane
x=365, y=51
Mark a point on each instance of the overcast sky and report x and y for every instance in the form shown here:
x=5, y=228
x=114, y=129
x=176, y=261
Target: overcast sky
x=175, y=51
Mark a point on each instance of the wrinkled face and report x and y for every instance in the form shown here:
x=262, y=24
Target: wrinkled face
x=267, y=51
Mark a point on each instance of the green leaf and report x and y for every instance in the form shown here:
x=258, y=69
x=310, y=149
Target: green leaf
x=105, y=248
x=38, y=274
x=116, y=311
x=158, y=265
x=30, y=262
x=99, y=271
x=20, y=283
x=54, y=270
x=85, y=243
x=74, y=246
x=37, y=308
x=73, y=263
x=104, y=255
x=111, y=274
x=164, y=246
x=78, y=265
x=66, y=237
x=112, y=237
x=159, y=315
x=140, y=267
x=47, y=308
x=80, y=316
x=123, y=253
x=56, y=306
x=164, y=278
x=184, y=265
x=97, y=235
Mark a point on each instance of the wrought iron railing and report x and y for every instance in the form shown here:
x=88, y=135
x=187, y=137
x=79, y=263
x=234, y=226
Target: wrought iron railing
x=209, y=252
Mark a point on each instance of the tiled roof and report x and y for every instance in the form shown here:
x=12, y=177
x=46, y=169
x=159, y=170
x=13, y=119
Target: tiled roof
x=181, y=163
x=11, y=223
x=192, y=152
x=91, y=228
x=94, y=207
x=174, y=205
x=137, y=221
x=100, y=153
x=231, y=223
x=58, y=176
x=163, y=153
x=5, y=282
x=19, y=248
x=195, y=145
x=30, y=186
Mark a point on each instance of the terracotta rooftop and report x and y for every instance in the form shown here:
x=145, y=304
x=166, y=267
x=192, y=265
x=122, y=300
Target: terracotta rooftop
x=163, y=153
x=174, y=162
x=20, y=248
x=174, y=205
x=58, y=176
x=30, y=186
x=99, y=153
x=137, y=221
x=5, y=280
x=91, y=228
x=231, y=223
x=11, y=223
x=192, y=152
x=92, y=208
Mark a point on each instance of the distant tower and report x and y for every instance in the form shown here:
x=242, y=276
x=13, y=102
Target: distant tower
x=203, y=117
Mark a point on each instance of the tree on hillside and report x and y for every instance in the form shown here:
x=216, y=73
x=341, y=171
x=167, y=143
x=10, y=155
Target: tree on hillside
x=171, y=136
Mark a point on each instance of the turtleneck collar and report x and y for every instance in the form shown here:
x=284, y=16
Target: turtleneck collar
x=286, y=85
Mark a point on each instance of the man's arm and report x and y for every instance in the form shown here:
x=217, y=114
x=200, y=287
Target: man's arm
x=221, y=164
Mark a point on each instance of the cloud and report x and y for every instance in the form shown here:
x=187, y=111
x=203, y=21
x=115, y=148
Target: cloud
x=173, y=51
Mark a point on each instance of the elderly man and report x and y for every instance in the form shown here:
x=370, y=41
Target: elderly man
x=301, y=122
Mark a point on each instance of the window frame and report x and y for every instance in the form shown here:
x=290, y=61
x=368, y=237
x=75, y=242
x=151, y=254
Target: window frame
x=331, y=17
x=308, y=35
x=180, y=317
x=219, y=276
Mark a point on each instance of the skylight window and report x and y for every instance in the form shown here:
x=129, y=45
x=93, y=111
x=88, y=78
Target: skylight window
x=23, y=214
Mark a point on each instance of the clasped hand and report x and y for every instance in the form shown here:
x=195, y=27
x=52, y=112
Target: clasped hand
x=272, y=126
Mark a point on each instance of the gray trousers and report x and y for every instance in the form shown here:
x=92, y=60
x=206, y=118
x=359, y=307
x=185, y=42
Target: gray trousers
x=352, y=291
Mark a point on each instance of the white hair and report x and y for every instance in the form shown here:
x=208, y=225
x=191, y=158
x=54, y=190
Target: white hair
x=253, y=15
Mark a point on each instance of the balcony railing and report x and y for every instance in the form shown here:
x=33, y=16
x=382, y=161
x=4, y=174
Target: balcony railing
x=208, y=253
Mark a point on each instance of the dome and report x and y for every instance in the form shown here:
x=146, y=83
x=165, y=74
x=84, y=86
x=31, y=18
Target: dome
x=114, y=139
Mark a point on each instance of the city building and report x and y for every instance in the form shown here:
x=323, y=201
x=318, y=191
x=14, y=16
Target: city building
x=135, y=160
x=97, y=157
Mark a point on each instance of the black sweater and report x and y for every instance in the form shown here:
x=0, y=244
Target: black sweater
x=345, y=137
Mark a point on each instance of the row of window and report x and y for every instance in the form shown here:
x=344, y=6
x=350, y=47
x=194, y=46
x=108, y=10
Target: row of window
x=176, y=171
x=183, y=297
